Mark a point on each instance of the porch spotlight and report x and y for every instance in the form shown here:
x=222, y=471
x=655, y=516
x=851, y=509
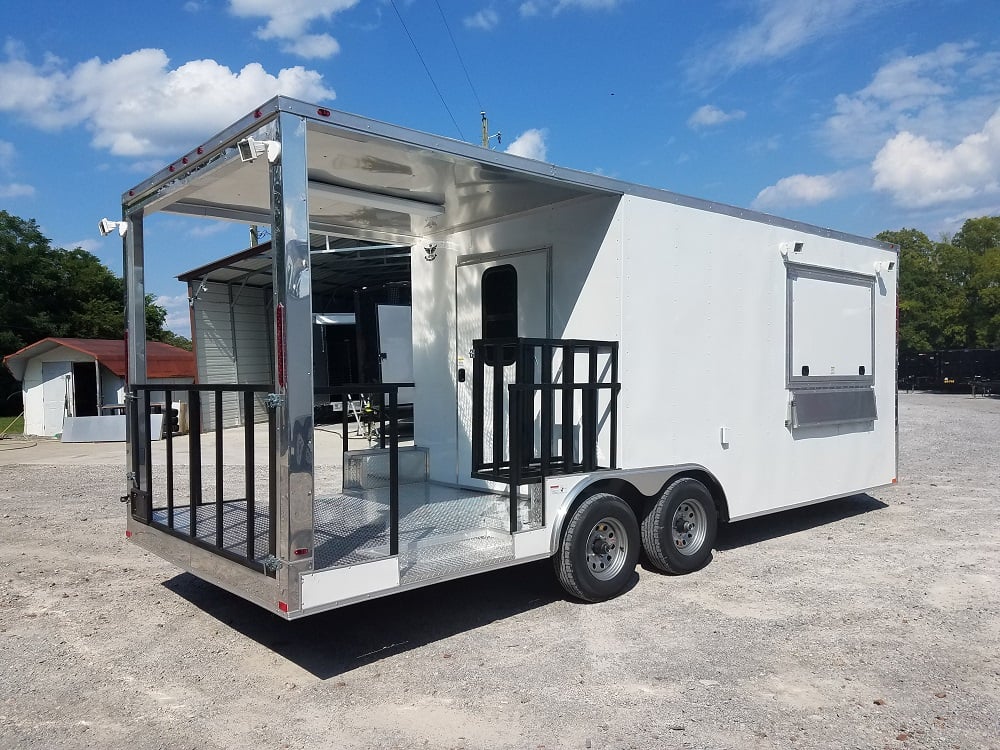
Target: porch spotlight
x=106, y=227
x=251, y=148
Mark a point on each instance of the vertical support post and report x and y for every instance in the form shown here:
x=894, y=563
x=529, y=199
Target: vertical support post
x=393, y=472
x=272, y=483
x=289, y=183
x=218, y=468
x=478, y=355
x=148, y=447
x=249, y=489
x=615, y=389
x=168, y=396
x=194, y=459
x=345, y=402
x=569, y=378
x=516, y=429
x=498, y=411
x=548, y=413
x=589, y=412
x=137, y=425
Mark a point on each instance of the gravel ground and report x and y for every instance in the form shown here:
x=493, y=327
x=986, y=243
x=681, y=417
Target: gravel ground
x=870, y=622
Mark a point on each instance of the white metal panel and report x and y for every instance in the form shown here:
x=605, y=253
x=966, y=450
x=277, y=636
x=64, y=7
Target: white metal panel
x=231, y=345
x=56, y=386
x=337, y=584
x=704, y=347
x=395, y=343
x=831, y=319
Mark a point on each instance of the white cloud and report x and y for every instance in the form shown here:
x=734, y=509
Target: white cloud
x=16, y=190
x=312, y=46
x=530, y=144
x=137, y=106
x=89, y=244
x=7, y=154
x=709, y=115
x=778, y=29
x=920, y=173
x=531, y=8
x=485, y=20
x=925, y=94
x=802, y=190
x=178, y=312
x=11, y=189
x=209, y=228
x=289, y=22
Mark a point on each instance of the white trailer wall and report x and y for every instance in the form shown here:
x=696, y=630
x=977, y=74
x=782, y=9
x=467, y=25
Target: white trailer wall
x=232, y=335
x=698, y=301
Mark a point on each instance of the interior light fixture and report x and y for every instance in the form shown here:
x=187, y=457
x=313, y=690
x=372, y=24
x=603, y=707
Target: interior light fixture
x=106, y=227
x=250, y=149
x=366, y=199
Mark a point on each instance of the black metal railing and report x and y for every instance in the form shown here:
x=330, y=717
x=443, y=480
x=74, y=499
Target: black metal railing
x=238, y=520
x=516, y=446
x=382, y=409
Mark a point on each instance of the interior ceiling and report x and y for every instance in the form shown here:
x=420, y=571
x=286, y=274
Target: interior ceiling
x=467, y=190
x=337, y=264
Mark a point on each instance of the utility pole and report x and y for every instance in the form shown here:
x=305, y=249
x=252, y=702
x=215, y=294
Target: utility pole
x=486, y=132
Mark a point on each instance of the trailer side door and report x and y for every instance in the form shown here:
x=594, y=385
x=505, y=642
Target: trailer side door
x=508, y=296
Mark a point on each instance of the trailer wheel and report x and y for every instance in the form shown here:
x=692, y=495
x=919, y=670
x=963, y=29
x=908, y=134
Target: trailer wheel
x=680, y=529
x=599, y=550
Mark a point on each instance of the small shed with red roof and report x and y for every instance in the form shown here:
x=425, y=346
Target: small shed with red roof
x=63, y=377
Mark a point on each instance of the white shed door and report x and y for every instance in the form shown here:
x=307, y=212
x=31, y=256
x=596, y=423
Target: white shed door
x=55, y=395
x=525, y=280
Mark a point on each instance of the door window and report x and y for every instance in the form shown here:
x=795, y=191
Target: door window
x=499, y=305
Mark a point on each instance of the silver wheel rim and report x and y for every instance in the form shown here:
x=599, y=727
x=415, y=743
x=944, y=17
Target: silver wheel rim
x=688, y=527
x=607, y=548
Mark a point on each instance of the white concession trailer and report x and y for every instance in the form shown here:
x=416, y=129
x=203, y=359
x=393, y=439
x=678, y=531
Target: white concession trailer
x=598, y=368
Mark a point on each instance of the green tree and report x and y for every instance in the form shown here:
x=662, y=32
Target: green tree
x=981, y=239
x=933, y=308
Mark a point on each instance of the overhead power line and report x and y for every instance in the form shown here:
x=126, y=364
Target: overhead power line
x=459, y=54
x=428, y=70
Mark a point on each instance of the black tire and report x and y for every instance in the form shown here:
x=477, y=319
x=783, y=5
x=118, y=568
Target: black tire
x=687, y=508
x=599, y=550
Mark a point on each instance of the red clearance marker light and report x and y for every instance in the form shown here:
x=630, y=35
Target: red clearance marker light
x=323, y=112
x=128, y=534
x=282, y=606
x=301, y=551
x=258, y=114
x=171, y=167
x=201, y=150
x=184, y=160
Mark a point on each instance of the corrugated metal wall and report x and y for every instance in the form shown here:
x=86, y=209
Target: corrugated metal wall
x=232, y=334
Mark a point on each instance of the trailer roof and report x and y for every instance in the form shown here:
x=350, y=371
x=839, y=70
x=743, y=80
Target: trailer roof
x=370, y=180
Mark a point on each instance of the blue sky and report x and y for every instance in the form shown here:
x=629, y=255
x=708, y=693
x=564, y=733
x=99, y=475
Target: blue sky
x=860, y=115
